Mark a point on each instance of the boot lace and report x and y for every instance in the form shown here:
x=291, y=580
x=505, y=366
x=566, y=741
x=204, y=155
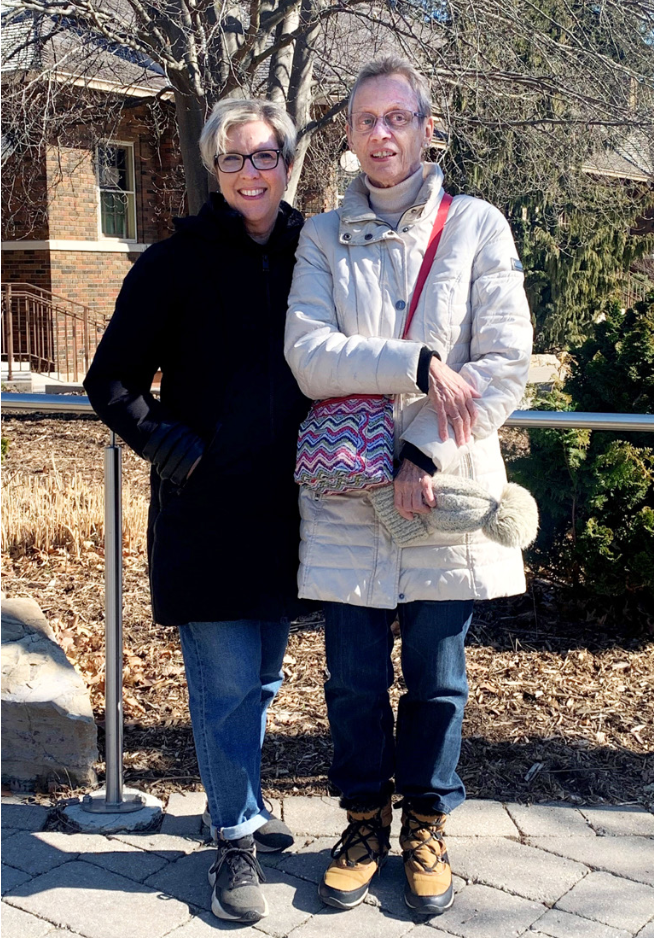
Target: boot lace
x=242, y=864
x=357, y=834
x=434, y=842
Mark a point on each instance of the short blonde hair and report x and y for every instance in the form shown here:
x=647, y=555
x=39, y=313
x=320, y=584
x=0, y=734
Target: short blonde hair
x=394, y=65
x=232, y=112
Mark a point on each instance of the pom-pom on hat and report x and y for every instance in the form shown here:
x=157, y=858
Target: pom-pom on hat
x=462, y=506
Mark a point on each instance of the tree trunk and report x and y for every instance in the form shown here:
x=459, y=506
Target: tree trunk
x=300, y=91
x=281, y=64
x=190, y=121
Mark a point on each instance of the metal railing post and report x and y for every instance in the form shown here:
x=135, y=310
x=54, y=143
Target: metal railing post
x=10, y=335
x=87, y=350
x=114, y=802
x=113, y=582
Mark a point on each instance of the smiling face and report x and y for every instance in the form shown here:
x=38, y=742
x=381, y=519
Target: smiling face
x=387, y=156
x=255, y=193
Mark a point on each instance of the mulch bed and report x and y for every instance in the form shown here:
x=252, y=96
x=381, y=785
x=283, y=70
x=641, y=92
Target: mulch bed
x=561, y=689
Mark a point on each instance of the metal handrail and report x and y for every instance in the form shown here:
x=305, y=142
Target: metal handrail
x=115, y=801
x=46, y=295
x=555, y=419
x=49, y=331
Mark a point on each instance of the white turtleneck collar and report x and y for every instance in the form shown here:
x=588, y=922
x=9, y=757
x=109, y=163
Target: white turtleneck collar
x=391, y=203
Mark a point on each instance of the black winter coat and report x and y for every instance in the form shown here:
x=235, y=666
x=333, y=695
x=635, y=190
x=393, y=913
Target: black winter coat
x=207, y=306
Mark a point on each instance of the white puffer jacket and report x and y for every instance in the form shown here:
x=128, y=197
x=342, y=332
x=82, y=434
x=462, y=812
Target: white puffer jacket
x=351, y=293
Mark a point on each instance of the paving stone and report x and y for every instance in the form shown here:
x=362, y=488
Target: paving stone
x=171, y=848
x=302, y=841
x=183, y=817
x=558, y=924
x=17, y=924
x=98, y=903
x=620, y=821
x=291, y=902
x=430, y=931
x=362, y=922
x=186, y=878
x=632, y=857
x=105, y=852
x=319, y=816
x=27, y=851
x=514, y=867
x=206, y=926
x=25, y=817
x=561, y=820
x=275, y=806
x=480, y=819
x=610, y=900
x=311, y=861
x=482, y=912
x=387, y=889
x=12, y=877
x=271, y=861
x=63, y=933
x=647, y=932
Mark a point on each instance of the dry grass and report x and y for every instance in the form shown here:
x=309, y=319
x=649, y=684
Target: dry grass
x=56, y=509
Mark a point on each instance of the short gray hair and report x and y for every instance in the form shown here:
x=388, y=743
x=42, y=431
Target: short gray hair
x=232, y=112
x=394, y=65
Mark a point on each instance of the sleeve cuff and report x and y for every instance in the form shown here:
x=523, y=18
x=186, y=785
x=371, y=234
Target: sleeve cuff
x=422, y=378
x=418, y=458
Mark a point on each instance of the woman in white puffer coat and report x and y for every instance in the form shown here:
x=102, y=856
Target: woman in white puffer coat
x=459, y=374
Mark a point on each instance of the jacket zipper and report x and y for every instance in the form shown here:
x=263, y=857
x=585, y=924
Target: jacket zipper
x=265, y=266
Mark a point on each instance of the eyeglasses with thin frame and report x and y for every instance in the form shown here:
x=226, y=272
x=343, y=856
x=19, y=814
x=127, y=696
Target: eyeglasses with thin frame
x=364, y=122
x=234, y=162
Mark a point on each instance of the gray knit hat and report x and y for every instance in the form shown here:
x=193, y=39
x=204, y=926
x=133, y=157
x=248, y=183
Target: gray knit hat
x=462, y=506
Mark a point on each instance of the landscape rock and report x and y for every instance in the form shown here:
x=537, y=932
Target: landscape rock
x=48, y=727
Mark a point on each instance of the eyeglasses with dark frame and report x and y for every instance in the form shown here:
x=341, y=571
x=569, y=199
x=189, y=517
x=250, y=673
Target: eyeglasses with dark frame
x=364, y=122
x=234, y=162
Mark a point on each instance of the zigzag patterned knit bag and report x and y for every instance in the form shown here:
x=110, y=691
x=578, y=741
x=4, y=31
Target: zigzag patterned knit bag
x=346, y=443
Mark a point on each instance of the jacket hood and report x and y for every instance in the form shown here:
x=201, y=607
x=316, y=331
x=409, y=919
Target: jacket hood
x=217, y=221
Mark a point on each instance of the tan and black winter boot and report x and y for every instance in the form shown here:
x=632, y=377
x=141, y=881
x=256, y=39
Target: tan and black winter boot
x=357, y=856
x=428, y=889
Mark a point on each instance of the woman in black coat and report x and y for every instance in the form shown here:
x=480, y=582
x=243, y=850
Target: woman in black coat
x=207, y=307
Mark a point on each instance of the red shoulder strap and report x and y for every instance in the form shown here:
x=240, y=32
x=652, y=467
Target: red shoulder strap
x=428, y=260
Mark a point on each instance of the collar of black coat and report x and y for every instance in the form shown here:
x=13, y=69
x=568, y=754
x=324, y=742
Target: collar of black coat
x=217, y=221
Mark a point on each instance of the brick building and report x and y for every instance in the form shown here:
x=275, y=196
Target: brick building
x=80, y=206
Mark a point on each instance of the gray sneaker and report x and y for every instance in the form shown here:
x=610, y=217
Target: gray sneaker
x=236, y=879
x=273, y=836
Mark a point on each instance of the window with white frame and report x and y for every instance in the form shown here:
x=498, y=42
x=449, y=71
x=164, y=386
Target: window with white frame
x=117, y=190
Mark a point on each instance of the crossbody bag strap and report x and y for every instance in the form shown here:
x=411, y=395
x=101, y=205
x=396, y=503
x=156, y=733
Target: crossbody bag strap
x=428, y=259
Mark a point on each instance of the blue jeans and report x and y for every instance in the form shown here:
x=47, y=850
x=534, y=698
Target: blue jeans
x=425, y=754
x=233, y=671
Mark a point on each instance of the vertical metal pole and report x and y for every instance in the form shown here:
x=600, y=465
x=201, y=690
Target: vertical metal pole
x=114, y=801
x=113, y=585
x=10, y=335
x=87, y=350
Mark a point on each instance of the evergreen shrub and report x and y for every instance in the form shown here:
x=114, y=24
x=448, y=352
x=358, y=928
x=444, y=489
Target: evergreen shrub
x=595, y=490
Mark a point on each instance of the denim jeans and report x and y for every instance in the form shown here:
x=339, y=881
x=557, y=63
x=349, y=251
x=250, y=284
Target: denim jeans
x=424, y=755
x=233, y=671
